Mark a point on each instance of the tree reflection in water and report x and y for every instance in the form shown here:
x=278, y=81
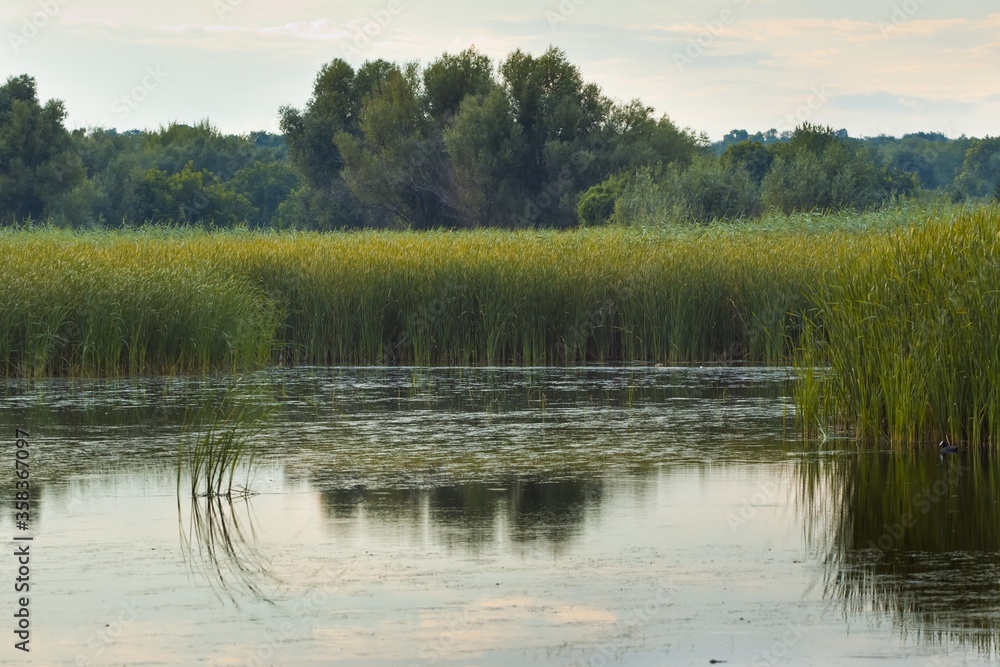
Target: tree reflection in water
x=477, y=514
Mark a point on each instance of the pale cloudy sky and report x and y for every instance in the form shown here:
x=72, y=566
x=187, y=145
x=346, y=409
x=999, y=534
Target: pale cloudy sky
x=871, y=66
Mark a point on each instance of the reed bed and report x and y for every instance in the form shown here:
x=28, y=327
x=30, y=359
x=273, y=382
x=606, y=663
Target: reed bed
x=910, y=331
x=110, y=304
x=152, y=302
x=168, y=300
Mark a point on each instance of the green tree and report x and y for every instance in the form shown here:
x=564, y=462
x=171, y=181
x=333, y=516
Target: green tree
x=807, y=138
x=752, y=156
x=709, y=191
x=190, y=197
x=560, y=118
x=202, y=146
x=397, y=166
x=484, y=142
x=451, y=145
x=38, y=160
x=265, y=185
x=334, y=108
x=934, y=158
x=633, y=138
x=796, y=183
x=452, y=78
x=981, y=169
x=329, y=209
x=818, y=169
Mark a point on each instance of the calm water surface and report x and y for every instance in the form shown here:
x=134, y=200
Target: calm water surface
x=496, y=517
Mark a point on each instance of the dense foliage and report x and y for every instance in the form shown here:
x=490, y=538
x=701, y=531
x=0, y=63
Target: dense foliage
x=461, y=142
x=163, y=300
x=909, y=331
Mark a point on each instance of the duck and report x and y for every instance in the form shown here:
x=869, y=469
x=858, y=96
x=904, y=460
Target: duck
x=946, y=448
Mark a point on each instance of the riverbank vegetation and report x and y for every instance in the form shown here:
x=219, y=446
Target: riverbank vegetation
x=482, y=212
x=892, y=318
x=177, y=299
x=909, y=331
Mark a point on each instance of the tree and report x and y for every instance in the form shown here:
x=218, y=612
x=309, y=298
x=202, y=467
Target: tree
x=451, y=145
x=808, y=138
x=981, y=169
x=559, y=116
x=334, y=108
x=116, y=164
x=634, y=138
x=38, y=161
x=709, y=191
x=397, y=166
x=796, y=183
x=752, y=156
x=200, y=145
x=189, y=197
x=731, y=138
x=452, y=78
x=818, y=171
x=265, y=185
x=485, y=144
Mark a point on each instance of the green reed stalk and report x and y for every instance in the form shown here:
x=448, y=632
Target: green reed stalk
x=910, y=331
x=169, y=300
x=221, y=444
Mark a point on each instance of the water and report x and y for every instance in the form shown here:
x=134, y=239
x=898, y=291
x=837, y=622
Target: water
x=492, y=517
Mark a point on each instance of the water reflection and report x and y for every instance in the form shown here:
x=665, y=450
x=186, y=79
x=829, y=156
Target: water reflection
x=608, y=469
x=911, y=539
x=219, y=546
x=400, y=427
x=477, y=514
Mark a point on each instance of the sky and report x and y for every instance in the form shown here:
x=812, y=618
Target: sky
x=869, y=66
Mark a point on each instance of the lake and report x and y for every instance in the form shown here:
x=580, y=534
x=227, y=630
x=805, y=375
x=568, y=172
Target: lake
x=404, y=516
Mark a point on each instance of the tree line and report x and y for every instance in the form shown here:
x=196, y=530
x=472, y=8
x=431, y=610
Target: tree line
x=462, y=142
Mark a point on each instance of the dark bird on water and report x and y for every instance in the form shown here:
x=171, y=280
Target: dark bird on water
x=946, y=448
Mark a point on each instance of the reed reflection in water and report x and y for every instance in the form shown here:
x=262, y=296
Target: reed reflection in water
x=219, y=546
x=911, y=539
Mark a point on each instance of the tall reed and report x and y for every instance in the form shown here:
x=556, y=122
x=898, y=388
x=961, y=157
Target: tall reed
x=910, y=331
x=220, y=444
x=165, y=300
x=123, y=304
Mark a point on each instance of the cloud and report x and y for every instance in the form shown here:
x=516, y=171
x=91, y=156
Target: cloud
x=775, y=29
x=890, y=102
x=755, y=59
x=809, y=29
x=361, y=36
x=895, y=28
x=320, y=29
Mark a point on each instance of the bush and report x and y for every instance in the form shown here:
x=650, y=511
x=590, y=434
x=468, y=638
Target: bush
x=597, y=204
x=703, y=192
x=710, y=191
x=838, y=178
